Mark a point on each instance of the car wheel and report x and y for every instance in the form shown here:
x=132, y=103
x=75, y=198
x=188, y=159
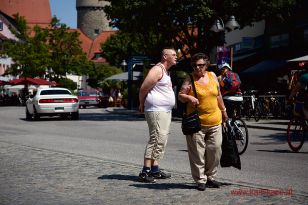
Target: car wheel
x=75, y=115
x=36, y=116
x=28, y=115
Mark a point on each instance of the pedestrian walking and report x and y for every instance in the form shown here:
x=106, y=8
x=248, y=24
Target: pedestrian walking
x=157, y=99
x=204, y=147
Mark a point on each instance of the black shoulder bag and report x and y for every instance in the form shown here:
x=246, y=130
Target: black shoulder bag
x=191, y=122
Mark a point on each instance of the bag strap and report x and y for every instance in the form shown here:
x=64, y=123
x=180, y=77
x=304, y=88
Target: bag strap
x=195, y=94
x=193, y=85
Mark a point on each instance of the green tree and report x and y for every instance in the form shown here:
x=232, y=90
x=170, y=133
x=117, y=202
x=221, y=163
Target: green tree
x=30, y=53
x=124, y=44
x=168, y=21
x=99, y=72
x=65, y=50
x=39, y=50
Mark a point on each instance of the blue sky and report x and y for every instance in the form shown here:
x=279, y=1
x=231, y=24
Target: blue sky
x=65, y=10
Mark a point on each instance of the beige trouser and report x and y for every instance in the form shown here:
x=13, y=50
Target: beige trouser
x=204, y=152
x=159, y=125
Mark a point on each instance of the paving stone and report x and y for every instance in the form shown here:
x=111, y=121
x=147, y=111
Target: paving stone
x=38, y=176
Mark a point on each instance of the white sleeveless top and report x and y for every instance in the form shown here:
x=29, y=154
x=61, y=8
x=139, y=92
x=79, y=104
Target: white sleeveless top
x=161, y=97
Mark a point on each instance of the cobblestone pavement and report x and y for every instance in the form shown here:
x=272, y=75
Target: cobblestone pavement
x=38, y=176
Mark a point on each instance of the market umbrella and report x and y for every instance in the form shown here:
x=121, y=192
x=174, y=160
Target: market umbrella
x=2, y=82
x=30, y=81
x=124, y=76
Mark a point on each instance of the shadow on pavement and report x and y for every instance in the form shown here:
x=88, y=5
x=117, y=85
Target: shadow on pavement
x=282, y=151
x=164, y=186
x=93, y=117
x=119, y=177
x=157, y=185
x=271, y=139
x=267, y=128
x=110, y=117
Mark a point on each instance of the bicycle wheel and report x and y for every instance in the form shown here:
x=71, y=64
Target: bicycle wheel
x=257, y=112
x=241, y=132
x=296, y=135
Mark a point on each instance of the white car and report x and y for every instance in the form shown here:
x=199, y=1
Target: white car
x=52, y=102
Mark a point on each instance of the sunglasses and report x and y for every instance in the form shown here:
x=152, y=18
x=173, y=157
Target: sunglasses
x=199, y=65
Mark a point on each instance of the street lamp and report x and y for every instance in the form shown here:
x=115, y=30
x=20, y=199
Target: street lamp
x=219, y=24
x=232, y=24
x=220, y=27
x=124, y=64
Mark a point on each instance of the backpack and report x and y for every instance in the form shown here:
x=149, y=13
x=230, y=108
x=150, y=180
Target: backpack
x=232, y=82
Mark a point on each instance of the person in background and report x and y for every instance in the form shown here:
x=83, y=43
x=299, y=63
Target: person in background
x=204, y=147
x=157, y=99
x=230, y=83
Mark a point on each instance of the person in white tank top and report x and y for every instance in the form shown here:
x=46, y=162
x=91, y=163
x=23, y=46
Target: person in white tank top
x=157, y=98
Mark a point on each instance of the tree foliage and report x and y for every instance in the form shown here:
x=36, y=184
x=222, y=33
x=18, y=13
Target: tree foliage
x=186, y=24
x=39, y=50
x=99, y=72
x=65, y=50
x=120, y=46
x=30, y=54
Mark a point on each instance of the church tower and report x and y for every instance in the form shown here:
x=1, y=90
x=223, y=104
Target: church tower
x=91, y=18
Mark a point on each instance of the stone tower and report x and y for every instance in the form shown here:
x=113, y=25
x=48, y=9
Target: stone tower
x=91, y=18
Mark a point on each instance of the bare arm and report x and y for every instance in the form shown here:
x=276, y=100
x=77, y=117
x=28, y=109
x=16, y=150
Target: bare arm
x=183, y=94
x=149, y=82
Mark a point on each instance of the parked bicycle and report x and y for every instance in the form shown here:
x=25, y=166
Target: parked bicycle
x=251, y=106
x=270, y=105
x=237, y=126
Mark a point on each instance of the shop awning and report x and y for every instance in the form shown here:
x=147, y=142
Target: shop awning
x=299, y=59
x=267, y=66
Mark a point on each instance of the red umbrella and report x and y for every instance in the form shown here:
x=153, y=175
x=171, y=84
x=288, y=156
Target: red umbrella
x=2, y=82
x=30, y=81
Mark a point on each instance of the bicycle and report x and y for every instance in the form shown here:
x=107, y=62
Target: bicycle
x=297, y=128
x=236, y=126
x=251, y=106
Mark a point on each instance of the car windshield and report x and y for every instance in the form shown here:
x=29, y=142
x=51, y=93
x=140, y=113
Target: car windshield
x=55, y=92
x=87, y=94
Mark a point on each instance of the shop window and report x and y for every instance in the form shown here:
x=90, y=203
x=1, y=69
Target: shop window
x=279, y=40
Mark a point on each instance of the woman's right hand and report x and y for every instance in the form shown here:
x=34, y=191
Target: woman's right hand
x=194, y=101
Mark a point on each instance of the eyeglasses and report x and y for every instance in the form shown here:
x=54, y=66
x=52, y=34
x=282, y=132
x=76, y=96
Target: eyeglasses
x=199, y=65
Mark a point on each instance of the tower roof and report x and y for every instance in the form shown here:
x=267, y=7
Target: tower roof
x=36, y=12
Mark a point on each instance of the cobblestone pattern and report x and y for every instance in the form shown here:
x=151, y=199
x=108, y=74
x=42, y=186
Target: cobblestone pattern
x=38, y=176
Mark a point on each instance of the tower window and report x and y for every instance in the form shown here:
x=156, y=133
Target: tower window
x=96, y=31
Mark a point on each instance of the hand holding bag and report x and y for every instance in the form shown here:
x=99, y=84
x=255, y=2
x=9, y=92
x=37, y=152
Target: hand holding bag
x=230, y=156
x=191, y=122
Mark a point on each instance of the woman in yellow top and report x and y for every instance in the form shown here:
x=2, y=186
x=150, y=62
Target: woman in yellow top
x=204, y=147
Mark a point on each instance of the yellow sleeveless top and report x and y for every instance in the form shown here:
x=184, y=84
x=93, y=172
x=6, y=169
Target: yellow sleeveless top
x=209, y=112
